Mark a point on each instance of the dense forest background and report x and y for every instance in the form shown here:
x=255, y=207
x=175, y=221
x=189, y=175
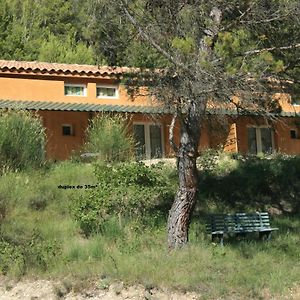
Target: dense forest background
x=72, y=31
x=95, y=32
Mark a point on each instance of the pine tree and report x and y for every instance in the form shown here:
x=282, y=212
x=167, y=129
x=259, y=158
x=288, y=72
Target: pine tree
x=215, y=50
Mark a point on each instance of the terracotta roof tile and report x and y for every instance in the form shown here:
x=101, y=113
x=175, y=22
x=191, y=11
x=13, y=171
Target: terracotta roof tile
x=10, y=66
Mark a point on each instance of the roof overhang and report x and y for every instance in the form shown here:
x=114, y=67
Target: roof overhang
x=88, y=107
x=79, y=107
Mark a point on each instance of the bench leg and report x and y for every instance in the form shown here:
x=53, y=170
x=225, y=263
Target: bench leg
x=222, y=240
x=265, y=235
x=241, y=235
x=220, y=236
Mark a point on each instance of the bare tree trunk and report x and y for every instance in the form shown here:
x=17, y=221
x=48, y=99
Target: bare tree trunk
x=182, y=208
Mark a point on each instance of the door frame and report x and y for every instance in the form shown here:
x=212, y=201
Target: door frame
x=147, y=137
x=258, y=137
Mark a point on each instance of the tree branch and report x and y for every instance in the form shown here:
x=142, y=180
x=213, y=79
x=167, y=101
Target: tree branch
x=171, y=133
x=239, y=19
x=257, y=51
x=265, y=20
x=147, y=37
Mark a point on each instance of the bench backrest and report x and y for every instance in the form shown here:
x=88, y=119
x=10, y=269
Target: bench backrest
x=239, y=222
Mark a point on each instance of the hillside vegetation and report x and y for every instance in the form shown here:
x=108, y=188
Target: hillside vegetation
x=72, y=31
x=47, y=216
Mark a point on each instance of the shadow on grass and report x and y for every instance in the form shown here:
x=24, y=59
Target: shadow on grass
x=254, y=184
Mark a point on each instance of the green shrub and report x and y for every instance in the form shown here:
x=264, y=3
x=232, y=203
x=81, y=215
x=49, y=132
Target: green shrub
x=252, y=183
x=19, y=255
x=22, y=140
x=38, y=202
x=208, y=160
x=3, y=208
x=11, y=259
x=23, y=253
x=126, y=189
x=217, y=162
x=108, y=137
x=40, y=253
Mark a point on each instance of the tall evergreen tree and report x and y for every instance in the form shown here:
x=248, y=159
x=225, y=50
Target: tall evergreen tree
x=215, y=50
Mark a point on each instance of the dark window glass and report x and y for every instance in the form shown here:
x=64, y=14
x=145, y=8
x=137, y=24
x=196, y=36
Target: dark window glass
x=252, y=145
x=296, y=101
x=71, y=90
x=139, y=136
x=293, y=134
x=266, y=140
x=155, y=141
x=67, y=130
x=106, y=92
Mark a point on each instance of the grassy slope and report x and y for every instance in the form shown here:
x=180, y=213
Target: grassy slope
x=136, y=254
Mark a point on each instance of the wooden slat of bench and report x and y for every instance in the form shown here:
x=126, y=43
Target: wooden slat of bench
x=217, y=232
x=239, y=225
x=253, y=229
x=221, y=223
x=268, y=229
x=250, y=218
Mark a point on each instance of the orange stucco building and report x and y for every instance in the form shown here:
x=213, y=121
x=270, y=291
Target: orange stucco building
x=67, y=96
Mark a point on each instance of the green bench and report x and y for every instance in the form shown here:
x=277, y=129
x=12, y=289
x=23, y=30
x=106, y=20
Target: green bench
x=239, y=224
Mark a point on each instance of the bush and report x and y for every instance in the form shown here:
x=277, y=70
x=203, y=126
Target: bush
x=217, y=162
x=108, y=137
x=3, y=208
x=38, y=202
x=22, y=140
x=253, y=183
x=11, y=259
x=130, y=190
x=18, y=255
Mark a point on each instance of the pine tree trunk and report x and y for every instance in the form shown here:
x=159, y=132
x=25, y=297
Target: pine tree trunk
x=183, y=205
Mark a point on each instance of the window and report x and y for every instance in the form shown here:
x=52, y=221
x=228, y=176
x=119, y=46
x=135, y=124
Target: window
x=294, y=92
x=260, y=140
x=149, y=141
x=295, y=100
x=293, y=134
x=67, y=129
x=107, y=92
x=75, y=90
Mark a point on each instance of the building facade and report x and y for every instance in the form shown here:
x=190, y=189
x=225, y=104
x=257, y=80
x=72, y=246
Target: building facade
x=68, y=96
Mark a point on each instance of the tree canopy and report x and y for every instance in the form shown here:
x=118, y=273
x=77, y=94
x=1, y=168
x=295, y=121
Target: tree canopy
x=96, y=32
x=70, y=31
x=226, y=53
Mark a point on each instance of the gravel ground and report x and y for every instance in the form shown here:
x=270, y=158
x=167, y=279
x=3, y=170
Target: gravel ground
x=52, y=290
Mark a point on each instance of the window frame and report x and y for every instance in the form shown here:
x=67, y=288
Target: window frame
x=294, y=98
x=258, y=137
x=296, y=103
x=107, y=86
x=147, y=138
x=71, y=129
x=296, y=134
x=84, y=86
